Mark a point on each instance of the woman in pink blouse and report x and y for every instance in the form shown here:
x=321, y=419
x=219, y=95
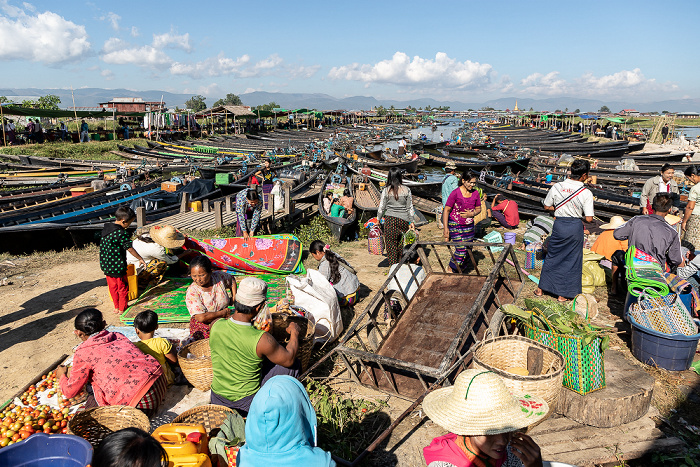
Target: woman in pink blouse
x=118, y=372
x=208, y=297
x=458, y=218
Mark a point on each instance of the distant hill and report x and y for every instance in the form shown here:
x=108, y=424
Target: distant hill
x=90, y=97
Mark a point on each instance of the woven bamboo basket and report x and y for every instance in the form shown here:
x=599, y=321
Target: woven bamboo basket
x=505, y=352
x=307, y=329
x=197, y=370
x=210, y=416
x=96, y=423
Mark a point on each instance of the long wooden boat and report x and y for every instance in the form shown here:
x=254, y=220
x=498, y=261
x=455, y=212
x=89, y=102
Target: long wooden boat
x=367, y=197
x=515, y=165
x=407, y=165
x=340, y=226
x=418, y=188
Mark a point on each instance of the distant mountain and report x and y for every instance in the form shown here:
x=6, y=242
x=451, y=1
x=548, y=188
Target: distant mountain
x=90, y=97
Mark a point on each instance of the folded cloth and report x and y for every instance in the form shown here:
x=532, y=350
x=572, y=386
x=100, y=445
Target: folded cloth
x=644, y=274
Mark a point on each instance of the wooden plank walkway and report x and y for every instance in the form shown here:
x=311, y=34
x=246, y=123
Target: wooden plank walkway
x=206, y=220
x=567, y=441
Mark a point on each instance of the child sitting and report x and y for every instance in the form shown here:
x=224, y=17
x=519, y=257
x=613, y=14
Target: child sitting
x=159, y=348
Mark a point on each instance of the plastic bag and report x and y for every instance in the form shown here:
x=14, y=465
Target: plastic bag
x=263, y=320
x=592, y=276
x=318, y=297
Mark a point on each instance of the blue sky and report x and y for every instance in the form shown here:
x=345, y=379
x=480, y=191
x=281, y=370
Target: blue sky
x=456, y=50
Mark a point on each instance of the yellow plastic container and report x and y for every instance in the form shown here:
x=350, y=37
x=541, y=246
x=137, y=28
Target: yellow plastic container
x=174, y=439
x=196, y=206
x=192, y=460
x=132, y=283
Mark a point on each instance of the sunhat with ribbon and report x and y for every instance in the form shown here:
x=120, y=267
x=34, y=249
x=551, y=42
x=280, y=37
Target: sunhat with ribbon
x=167, y=236
x=615, y=222
x=450, y=166
x=480, y=404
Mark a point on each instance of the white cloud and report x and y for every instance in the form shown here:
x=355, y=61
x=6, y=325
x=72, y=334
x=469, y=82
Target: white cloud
x=211, y=90
x=107, y=74
x=44, y=37
x=249, y=90
x=213, y=66
x=29, y=7
x=622, y=83
x=172, y=40
x=113, y=19
x=302, y=71
x=443, y=71
x=263, y=67
x=134, y=31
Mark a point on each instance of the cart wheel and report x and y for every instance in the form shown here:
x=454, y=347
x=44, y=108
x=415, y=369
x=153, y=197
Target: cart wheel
x=385, y=319
x=500, y=325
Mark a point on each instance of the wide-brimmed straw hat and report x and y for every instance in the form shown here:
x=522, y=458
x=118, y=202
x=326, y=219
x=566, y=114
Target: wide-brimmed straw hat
x=450, y=166
x=615, y=222
x=671, y=219
x=480, y=404
x=167, y=236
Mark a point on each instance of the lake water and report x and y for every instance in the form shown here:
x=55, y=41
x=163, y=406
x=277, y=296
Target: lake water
x=690, y=132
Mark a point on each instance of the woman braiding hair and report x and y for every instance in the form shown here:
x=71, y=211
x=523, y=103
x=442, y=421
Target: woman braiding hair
x=337, y=270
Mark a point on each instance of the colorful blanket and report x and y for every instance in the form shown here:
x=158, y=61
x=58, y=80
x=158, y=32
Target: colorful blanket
x=276, y=254
x=168, y=299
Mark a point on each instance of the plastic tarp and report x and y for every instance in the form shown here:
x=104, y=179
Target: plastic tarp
x=588, y=117
x=615, y=119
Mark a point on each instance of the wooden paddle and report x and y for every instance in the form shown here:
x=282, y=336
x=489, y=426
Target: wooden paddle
x=529, y=276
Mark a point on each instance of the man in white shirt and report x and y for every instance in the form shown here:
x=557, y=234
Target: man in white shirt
x=402, y=146
x=571, y=202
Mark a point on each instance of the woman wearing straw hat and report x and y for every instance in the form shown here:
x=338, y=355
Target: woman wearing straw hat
x=483, y=420
x=155, y=247
x=613, y=249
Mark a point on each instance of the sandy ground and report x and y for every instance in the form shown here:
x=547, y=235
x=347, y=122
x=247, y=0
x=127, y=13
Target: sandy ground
x=48, y=290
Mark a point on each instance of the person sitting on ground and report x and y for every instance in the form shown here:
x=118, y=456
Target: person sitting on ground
x=156, y=248
x=652, y=234
x=607, y=245
x=118, y=372
x=281, y=428
x=337, y=270
x=505, y=212
x=346, y=201
x=146, y=324
x=337, y=210
x=327, y=201
x=485, y=423
x=208, y=296
x=409, y=276
x=243, y=357
x=538, y=229
x=129, y=447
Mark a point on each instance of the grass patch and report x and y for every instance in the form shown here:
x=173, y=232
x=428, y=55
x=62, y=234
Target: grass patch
x=94, y=150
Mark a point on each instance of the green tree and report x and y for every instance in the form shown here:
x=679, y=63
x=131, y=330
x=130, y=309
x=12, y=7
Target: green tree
x=486, y=109
x=381, y=111
x=577, y=111
x=230, y=99
x=49, y=102
x=196, y=103
x=531, y=109
x=30, y=104
x=427, y=108
x=665, y=112
x=268, y=107
x=5, y=100
x=604, y=109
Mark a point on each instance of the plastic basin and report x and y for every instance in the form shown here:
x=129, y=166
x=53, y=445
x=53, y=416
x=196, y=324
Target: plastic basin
x=41, y=449
x=672, y=352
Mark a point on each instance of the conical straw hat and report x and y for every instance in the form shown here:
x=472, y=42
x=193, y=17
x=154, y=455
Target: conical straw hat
x=480, y=404
x=167, y=236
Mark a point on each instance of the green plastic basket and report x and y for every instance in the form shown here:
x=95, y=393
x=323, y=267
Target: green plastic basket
x=585, y=365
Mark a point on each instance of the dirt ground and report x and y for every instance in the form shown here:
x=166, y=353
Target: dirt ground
x=46, y=291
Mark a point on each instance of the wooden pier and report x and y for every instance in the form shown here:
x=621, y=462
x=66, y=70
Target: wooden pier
x=222, y=213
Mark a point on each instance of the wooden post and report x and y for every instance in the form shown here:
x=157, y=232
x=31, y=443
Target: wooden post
x=226, y=120
x=140, y=216
x=227, y=200
x=183, y=203
x=287, y=200
x=218, y=215
x=205, y=205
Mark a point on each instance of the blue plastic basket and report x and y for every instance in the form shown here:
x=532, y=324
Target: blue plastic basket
x=672, y=352
x=41, y=449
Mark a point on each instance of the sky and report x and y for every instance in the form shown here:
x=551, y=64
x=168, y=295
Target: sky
x=468, y=51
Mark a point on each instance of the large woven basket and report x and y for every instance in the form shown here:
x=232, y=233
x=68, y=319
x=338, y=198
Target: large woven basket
x=197, y=370
x=210, y=416
x=96, y=423
x=502, y=353
x=307, y=329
